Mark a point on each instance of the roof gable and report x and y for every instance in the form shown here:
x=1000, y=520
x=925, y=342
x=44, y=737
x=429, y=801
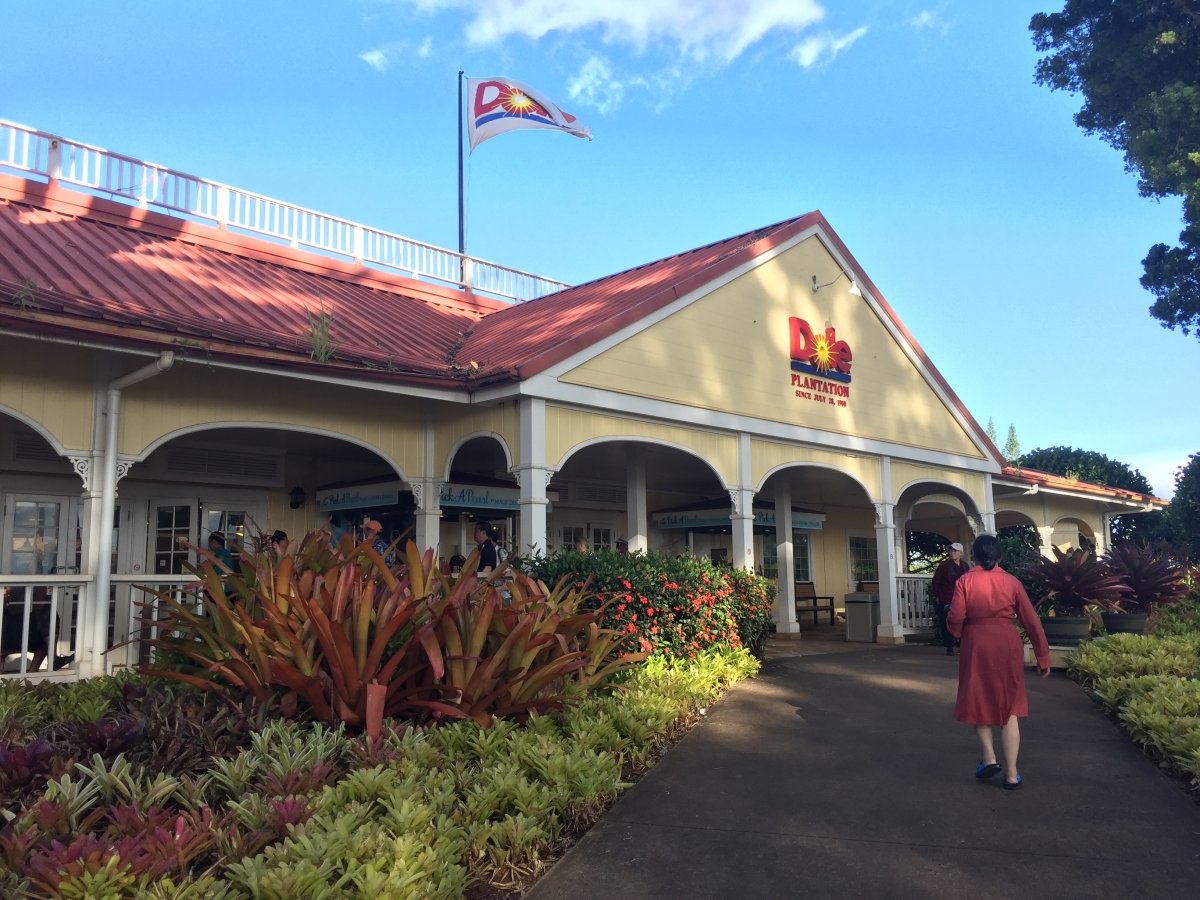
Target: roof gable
x=728, y=346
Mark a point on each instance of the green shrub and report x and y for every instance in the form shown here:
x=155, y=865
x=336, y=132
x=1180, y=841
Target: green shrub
x=1180, y=619
x=1134, y=654
x=673, y=606
x=306, y=810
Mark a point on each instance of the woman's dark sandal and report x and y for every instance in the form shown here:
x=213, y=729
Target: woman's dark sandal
x=1013, y=785
x=987, y=770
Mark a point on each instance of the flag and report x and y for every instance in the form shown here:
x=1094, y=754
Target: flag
x=498, y=105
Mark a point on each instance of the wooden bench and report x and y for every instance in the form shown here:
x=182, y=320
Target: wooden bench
x=808, y=601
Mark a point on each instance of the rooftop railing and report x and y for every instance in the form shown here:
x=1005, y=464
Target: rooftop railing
x=118, y=177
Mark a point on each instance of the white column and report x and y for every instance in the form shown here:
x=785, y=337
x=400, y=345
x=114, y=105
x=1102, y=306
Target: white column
x=742, y=515
x=989, y=510
x=1104, y=535
x=428, y=493
x=889, y=602
x=901, y=543
x=533, y=475
x=1046, y=540
x=785, y=604
x=637, y=527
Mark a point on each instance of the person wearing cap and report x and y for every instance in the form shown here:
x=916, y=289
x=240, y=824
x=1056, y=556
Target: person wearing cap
x=948, y=572
x=224, y=559
x=372, y=529
x=622, y=545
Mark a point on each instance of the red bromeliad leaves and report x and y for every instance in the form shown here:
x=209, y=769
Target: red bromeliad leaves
x=331, y=627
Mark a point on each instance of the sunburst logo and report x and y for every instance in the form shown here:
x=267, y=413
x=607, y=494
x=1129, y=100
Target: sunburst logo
x=819, y=353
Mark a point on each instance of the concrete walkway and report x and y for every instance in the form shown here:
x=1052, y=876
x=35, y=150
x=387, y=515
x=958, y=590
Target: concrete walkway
x=840, y=772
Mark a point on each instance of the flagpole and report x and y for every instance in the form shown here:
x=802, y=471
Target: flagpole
x=462, y=241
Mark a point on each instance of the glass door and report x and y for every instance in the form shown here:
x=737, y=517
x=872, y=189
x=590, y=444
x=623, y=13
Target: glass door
x=36, y=539
x=172, y=528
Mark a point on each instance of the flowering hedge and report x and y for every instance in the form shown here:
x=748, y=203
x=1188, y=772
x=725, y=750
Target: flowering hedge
x=675, y=606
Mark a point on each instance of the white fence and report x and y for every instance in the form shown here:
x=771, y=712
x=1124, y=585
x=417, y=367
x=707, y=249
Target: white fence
x=39, y=612
x=912, y=594
x=40, y=620
x=125, y=178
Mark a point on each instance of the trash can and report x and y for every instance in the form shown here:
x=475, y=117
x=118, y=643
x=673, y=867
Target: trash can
x=862, y=616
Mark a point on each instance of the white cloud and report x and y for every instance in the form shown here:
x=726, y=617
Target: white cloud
x=931, y=20
x=384, y=57
x=700, y=29
x=823, y=48
x=376, y=59
x=595, y=86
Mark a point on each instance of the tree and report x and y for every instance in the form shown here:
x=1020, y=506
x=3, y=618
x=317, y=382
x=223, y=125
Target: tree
x=1012, y=449
x=1137, y=65
x=990, y=431
x=1088, y=465
x=1183, y=515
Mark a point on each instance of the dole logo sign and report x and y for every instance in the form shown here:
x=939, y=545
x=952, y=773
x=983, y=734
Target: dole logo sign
x=820, y=364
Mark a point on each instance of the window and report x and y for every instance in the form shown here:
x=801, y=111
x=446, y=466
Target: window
x=601, y=538
x=571, y=535
x=801, y=555
x=864, y=561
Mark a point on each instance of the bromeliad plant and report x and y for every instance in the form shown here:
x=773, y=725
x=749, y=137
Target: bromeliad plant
x=1151, y=575
x=336, y=633
x=1074, y=581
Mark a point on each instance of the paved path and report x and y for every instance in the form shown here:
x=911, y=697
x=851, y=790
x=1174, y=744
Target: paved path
x=840, y=772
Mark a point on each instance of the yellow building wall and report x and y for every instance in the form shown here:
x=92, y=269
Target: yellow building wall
x=973, y=483
x=1050, y=509
x=52, y=386
x=730, y=351
x=453, y=423
x=769, y=455
x=183, y=398
x=568, y=428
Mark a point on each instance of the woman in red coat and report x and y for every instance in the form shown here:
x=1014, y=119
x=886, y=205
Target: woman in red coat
x=991, y=670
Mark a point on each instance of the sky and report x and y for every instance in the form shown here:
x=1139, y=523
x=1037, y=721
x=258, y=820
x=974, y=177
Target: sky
x=1007, y=241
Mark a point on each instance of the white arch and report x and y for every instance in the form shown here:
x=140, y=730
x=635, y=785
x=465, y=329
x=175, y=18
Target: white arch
x=639, y=439
x=268, y=426
x=496, y=436
x=38, y=427
x=1076, y=520
x=814, y=465
x=1016, y=512
x=944, y=487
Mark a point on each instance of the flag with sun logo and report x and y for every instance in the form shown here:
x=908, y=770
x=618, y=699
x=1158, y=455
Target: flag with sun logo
x=498, y=105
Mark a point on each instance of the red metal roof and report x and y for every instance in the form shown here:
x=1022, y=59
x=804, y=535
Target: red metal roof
x=1046, y=479
x=84, y=265
x=533, y=336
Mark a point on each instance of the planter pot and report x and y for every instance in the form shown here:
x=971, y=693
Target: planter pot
x=1066, y=631
x=1124, y=623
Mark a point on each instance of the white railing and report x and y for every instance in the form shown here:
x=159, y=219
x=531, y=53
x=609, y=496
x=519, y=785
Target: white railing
x=40, y=618
x=133, y=604
x=912, y=593
x=146, y=184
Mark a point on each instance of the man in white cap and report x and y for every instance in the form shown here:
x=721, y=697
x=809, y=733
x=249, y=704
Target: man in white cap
x=948, y=572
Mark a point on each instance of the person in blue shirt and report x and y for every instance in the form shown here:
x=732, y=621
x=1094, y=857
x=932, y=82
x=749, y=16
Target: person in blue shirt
x=216, y=546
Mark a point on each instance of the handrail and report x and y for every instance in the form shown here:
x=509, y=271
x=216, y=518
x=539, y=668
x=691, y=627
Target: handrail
x=147, y=184
x=37, y=580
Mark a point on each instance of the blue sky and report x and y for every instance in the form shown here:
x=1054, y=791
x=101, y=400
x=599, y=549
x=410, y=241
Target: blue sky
x=1009, y=242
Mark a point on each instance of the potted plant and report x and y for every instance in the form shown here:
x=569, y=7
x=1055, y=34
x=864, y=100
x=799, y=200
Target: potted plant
x=1075, y=583
x=1153, y=580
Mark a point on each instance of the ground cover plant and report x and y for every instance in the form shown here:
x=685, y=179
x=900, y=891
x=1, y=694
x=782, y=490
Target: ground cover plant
x=305, y=809
x=323, y=725
x=675, y=606
x=1151, y=685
